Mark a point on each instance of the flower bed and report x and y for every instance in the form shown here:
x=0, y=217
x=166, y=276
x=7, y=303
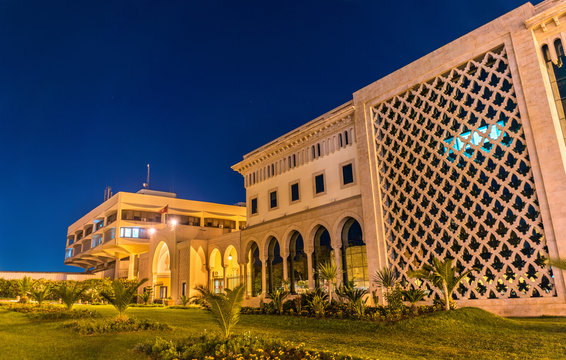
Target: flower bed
x=210, y=347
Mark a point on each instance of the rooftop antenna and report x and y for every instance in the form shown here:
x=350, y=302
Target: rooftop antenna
x=146, y=184
x=107, y=193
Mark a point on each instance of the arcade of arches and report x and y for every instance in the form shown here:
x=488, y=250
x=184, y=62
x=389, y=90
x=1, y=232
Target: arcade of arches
x=275, y=262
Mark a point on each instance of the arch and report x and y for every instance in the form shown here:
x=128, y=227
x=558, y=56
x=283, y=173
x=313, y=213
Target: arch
x=339, y=225
x=286, y=239
x=253, y=269
x=322, y=250
x=353, y=254
x=161, y=271
x=198, y=273
x=297, y=263
x=274, y=263
x=216, y=268
x=232, y=267
x=265, y=243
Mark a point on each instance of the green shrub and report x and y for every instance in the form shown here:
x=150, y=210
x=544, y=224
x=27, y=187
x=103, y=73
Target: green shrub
x=50, y=312
x=235, y=348
x=148, y=305
x=117, y=324
x=289, y=305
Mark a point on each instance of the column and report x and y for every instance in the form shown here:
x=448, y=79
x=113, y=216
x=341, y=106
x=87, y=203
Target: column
x=310, y=272
x=117, y=267
x=263, y=278
x=132, y=267
x=224, y=268
x=285, y=274
x=338, y=262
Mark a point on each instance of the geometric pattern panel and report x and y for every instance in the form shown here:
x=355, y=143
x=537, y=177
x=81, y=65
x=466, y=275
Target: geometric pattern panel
x=456, y=181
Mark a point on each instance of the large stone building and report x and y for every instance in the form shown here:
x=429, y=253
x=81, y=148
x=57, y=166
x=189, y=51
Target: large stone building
x=459, y=154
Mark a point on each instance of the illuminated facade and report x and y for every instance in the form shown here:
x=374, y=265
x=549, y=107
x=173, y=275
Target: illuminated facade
x=459, y=154
x=153, y=235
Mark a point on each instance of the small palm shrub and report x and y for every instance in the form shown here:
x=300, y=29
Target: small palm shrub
x=69, y=293
x=413, y=296
x=117, y=324
x=40, y=293
x=24, y=287
x=356, y=299
x=146, y=295
x=225, y=308
x=328, y=271
x=318, y=305
x=442, y=275
x=185, y=300
x=121, y=295
x=277, y=297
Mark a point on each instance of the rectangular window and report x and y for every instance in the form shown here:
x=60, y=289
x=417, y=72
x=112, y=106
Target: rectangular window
x=346, y=137
x=254, y=206
x=273, y=199
x=347, y=174
x=319, y=183
x=162, y=292
x=295, y=192
x=184, y=289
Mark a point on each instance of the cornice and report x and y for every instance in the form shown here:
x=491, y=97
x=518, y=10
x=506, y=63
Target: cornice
x=304, y=134
x=551, y=12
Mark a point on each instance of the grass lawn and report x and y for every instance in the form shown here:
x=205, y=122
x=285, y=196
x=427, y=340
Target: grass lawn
x=462, y=334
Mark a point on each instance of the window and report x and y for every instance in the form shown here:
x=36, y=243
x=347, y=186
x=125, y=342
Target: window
x=184, y=289
x=272, y=199
x=145, y=216
x=162, y=292
x=183, y=219
x=319, y=184
x=339, y=140
x=313, y=152
x=253, y=206
x=134, y=233
x=219, y=223
x=295, y=192
x=318, y=149
x=294, y=160
x=346, y=137
x=347, y=174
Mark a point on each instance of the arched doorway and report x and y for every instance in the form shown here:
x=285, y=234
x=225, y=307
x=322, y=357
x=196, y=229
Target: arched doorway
x=161, y=272
x=322, y=252
x=274, y=265
x=216, y=272
x=232, y=267
x=354, y=255
x=297, y=265
x=253, y=269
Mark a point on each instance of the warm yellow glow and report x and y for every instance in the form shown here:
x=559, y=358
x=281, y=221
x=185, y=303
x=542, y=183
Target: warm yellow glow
x=151, y=231
x=173, y=222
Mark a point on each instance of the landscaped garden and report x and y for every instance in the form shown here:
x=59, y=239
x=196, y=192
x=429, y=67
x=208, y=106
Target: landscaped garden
x=311, y=326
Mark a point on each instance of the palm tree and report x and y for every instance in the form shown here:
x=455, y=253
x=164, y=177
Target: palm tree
x=69, y=294
x=277, y=297
x=121, y=295
x=225, y=308
x=442, y=275
x=327, y=271
x=387, y=280
x=355, y=297
x=39, y=293
x=24, y=287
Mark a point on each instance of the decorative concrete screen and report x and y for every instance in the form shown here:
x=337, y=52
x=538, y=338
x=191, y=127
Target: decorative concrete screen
x=456, y=181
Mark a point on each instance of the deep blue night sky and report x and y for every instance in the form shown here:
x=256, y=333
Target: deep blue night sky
x=91, y=91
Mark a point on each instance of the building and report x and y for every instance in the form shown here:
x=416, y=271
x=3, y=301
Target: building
x=155, y=235
x=459, y=154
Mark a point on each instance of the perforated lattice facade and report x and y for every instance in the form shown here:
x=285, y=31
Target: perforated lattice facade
x=456, y=181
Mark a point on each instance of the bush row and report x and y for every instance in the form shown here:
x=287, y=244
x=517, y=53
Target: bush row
x=50, y=312
x=116, y=324
x=9, y=288
x=242, y=347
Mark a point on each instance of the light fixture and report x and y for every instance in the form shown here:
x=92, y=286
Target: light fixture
x=229, y=257
x=151, y=231
x=173, y=222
